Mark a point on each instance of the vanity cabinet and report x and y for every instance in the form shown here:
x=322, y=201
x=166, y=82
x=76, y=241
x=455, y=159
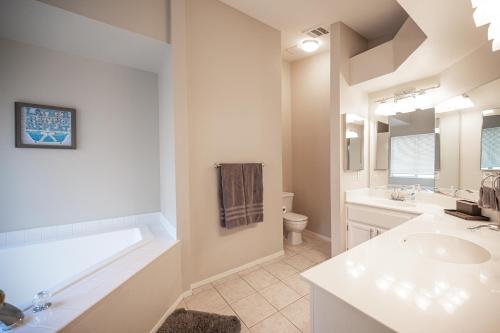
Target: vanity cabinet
x=358, y=233
x=365, y=223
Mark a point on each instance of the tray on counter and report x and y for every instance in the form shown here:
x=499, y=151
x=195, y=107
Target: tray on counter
x=465, y=216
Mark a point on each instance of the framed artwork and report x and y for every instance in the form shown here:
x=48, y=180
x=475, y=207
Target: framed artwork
x=45, y=126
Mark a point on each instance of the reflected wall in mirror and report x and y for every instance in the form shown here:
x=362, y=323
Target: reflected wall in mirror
x=469, y=140
x=382, y=146
x=354, y=128
x=490, y=140
x=412, y=148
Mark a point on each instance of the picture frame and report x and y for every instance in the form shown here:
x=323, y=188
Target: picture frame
x=44, y=126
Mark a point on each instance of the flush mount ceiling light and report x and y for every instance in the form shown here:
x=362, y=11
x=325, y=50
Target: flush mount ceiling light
x=309, y=45
x=456, y=103
x=488, y=12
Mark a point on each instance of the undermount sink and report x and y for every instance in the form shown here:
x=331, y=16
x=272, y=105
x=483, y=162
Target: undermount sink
x=395, y=203
x=446, y=248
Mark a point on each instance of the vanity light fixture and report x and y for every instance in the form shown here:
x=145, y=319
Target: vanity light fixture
x=459, y=102
x=350, y=134
x=405, y=104
x=407, y=101
x=385, y=108
x=488, y=112
x=309, y=45
x=424, y=100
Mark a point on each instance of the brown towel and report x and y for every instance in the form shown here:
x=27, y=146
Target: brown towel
x=487, y=198
x=254, y=192
x=231, y=196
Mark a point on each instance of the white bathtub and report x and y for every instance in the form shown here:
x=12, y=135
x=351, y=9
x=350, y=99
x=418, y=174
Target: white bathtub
x=56, y=265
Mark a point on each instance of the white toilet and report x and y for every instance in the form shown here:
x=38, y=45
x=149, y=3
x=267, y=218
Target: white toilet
x=293, y=223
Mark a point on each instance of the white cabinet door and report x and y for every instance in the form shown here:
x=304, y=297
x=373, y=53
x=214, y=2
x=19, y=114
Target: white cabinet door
x=380, y=231
x=358, y=233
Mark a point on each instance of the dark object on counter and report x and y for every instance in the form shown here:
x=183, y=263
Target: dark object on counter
x=468, y=207
x=466, y=216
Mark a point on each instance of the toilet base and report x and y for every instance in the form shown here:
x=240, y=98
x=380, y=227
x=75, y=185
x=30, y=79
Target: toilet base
x=294, y=238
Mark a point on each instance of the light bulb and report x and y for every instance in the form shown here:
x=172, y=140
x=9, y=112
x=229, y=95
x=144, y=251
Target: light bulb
x=405, y=105
x=309, y=45
x=385, y=109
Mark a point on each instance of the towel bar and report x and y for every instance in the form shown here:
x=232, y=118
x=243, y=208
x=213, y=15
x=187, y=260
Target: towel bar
x=217, y=165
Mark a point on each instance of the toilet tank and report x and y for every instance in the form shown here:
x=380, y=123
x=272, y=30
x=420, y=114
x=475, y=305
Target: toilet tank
x=288, y=201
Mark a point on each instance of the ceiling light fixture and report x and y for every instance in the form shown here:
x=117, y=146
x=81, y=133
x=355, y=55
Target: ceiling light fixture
x=456, y=103
x=309, y=45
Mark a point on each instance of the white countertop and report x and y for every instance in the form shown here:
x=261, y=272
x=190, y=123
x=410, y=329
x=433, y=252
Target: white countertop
x=408, y=292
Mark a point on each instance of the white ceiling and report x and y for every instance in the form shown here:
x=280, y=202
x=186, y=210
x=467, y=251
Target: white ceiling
x=451, y=35
x=374, y=19
x=36, y=23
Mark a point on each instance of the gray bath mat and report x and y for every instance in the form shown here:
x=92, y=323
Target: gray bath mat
x=187, y=321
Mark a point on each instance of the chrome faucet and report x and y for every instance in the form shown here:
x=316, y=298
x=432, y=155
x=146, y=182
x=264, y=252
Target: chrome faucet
x=452, y=192
x=494, y=227
x=404, y=193
x=10, y=316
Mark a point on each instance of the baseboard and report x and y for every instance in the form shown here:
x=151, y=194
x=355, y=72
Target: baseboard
x=170, y=310
x=237, y=269
x=328, y=239
x=211, y=279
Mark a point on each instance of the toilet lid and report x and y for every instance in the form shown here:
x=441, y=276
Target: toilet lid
x=293, y=217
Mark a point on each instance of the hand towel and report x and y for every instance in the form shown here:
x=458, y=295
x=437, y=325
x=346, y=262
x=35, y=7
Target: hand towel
x=232, y=196
x=254, y=192
x=487, y=198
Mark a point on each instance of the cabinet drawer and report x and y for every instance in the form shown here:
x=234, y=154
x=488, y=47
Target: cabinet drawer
x=377, y=217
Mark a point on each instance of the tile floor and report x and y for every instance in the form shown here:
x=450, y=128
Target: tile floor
x=268, y=298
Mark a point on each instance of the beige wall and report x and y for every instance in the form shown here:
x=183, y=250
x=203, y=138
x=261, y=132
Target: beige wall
x=234, y=114
x=146, y=17
x=311, y=140
x=344, y=99
x=138, y=304
x=286, y=126
x=179, y=71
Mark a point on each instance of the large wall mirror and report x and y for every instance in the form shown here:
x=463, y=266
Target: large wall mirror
x=412, y=148
x=447, y=147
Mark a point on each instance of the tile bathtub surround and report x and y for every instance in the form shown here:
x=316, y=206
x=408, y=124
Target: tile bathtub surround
x=269, y=297
x=77, y=298
x=52, y=233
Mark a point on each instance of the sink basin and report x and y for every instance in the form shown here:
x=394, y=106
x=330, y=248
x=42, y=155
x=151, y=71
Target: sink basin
x=394, y=203
x=446, y=248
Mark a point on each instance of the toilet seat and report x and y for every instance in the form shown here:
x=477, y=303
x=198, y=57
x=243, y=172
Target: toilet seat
x=294, y=217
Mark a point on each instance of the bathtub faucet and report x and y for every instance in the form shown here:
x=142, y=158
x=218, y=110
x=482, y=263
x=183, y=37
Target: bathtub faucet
x=10, y=316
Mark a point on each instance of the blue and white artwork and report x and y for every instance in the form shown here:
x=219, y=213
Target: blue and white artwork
x=46, y=127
